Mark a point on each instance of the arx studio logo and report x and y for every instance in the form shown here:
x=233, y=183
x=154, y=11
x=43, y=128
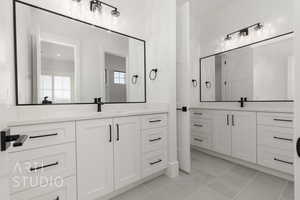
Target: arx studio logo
x=35, y=174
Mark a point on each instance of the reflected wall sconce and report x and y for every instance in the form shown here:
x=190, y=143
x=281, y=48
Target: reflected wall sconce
x=245, y=31
x=195, y=83
x=134, y=79
x=153, y=74
x=96, y=5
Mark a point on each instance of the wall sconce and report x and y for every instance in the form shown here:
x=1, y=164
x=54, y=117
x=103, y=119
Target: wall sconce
x=245, y=31
x=208, y=84
x=97, y=5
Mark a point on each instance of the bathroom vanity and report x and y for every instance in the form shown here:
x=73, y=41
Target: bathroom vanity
x=96, y=155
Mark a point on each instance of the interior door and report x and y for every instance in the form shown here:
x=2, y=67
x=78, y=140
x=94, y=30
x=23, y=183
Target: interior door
x=94, y=158
x=222, y=132
x=244, y=136
x=127, y=151
x=183, y=87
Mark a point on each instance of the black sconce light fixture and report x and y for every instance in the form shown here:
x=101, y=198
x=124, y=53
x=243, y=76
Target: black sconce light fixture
x=245, y=31
x=97, y=5
x=153, y=74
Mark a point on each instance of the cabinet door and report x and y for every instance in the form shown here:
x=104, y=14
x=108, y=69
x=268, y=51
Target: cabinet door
x=244, y=136
x=222, y=132
x=127, y=151
x=94, y=158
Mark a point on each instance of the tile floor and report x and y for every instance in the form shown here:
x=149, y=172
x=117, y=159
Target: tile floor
x=213, y=179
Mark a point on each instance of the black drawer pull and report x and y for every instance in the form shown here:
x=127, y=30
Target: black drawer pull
x=155, y=121
x=156, y=162
x=199, y=140
x=43, y=167
x=282, y=161
x=154, y=140
x=198, y=125
x=110, y=133
x=279, y=138
x=41, y=136
x=198, y=114
x=57, y=198
x=283, y=120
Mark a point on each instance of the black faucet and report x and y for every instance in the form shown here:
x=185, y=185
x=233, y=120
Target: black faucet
x=242, y=101
x=99, y=103
x=46, y=101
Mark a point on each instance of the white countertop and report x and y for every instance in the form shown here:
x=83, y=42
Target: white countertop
x=273, y=110
x=85, y=116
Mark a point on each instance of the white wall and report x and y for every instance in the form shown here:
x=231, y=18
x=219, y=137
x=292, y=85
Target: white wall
x=153, y=20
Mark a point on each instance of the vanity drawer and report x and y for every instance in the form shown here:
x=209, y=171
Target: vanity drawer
x=41, y=164
x=44, y=135
x=154, y=121
x=154, y=162
x=201, y=141
x=201, y=126
x=63, y=191
x=276, y=137
x=154, y=139
x=201, y=114
x=276, y=119
x=276, y=159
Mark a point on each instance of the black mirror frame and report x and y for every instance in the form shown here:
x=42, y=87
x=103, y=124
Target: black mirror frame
x=77, y=20
x=202, y=58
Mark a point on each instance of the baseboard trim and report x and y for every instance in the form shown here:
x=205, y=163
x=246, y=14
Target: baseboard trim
x=173, y=169
x=260, y=168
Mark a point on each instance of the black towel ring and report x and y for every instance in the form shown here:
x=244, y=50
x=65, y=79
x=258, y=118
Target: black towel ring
x=195, y=83
x=134, y=79
x=153, y=74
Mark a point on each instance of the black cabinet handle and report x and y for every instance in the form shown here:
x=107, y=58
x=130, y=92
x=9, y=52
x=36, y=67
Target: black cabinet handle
x=279, y=138
x=118, y=132
x=283, y=120
x=227, y=120
x=282, y=161
x=198, y=125
x=42, y=136
x=198, y=114
x=57, y=198
x=43, y=167
x=110, y=133
x=298, y=147
x=199, y=140
x=233, y=122
x=154, y=121
x=154, y=140
x=156, y=162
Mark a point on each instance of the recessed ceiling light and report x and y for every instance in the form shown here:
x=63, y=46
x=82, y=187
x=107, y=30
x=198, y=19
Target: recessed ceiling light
x=58, y=55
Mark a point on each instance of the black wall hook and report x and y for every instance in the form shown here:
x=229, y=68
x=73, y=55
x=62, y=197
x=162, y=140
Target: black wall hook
x=153, y=74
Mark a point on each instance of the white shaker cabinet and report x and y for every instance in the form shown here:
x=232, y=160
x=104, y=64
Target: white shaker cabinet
x=95, y=158
x=108, y=155
x=222, y=132
x=127, y=151
x=244, y=135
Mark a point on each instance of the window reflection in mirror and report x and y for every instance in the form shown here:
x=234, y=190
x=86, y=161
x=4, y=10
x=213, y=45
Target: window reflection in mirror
x=61, y=60
x=260, y=72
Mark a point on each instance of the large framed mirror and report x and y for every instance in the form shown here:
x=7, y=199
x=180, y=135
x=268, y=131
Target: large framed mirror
x=61, y=60
x=259, y=72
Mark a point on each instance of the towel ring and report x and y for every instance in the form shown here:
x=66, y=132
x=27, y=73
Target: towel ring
x=153, y=74
x=195, y=83
x=208, y=84
x=134, y=79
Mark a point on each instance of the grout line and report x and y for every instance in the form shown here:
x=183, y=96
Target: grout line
x=246, y=185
